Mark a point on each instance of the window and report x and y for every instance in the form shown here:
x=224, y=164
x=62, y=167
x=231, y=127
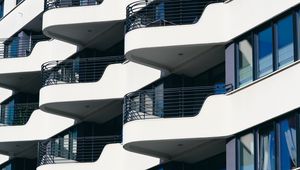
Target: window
x=265, y=52
x=245, y=61
x=267, y=149
x=246, y=152
x=287, y=142
x=285, y=44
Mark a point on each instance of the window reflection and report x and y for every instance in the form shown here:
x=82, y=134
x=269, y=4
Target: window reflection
x=247, y=152
x=245, y=57
x=267, y=149
x=285, y=41
x=288, y=143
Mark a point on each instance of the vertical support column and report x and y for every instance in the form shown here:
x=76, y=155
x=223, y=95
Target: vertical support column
x=231, y=155
x=230, y=65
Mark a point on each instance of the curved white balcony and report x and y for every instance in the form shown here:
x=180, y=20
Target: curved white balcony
x=23, y=73
x=180, y=47
x=220, y=117
x=98, y=26
x=112, y=157
x=20, y=16
x=82, y=100
x=21, y=140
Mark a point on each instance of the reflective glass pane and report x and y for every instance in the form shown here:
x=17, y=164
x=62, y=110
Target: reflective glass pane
x=267, y=149
x=245, y=58
x=285, y=41
x=288, y=143
x=265, y=52
x=247, y=152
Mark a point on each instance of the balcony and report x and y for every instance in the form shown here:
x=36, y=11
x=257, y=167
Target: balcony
x=99, y=27
x=73, y=150
x=172, y=35
x=81, y=88
x=77, y=70
x=157, y=13
x=20, y=133
x=208, y=131
x=17, y=114
x=168, y=103
x=21, y=61
x=89, y=153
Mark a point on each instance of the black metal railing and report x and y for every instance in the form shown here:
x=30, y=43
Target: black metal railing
x=146, y=13
x=51, y=4
x=19, y=47
x=77, y=70
x=168, y=103
x=75, y=149
x=16, y=114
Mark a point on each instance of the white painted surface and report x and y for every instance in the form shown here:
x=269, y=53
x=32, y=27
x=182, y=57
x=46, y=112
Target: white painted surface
x=220, y=23
x=108, y=10
x=117, y=80
x=225, y=115
x=20, y=16
x=40, y=126
x=8, y=6
x=113, y=157
x=43, y=51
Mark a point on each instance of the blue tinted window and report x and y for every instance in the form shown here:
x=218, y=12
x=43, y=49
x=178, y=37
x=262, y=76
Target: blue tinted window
x=285, y=41
x=288, y=143
x=267, y=149
x=265, y=52
x=1, y=8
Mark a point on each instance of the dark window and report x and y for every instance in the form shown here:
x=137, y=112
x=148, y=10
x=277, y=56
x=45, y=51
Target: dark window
x=1, y=8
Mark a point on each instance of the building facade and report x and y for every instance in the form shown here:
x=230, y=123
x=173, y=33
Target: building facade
x=150, y=84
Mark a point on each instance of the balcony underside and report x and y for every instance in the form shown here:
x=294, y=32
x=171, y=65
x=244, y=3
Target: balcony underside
x=237, y=107
x=24, y=149
x=92, y=110
x=180, y=59
x=94, y=26
x=98, y=35
x=28, y=82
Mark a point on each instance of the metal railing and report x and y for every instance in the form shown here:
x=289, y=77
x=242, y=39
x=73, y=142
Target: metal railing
x=19, y=47
x=72, y=150
x=51, y=4
x=169, y=102
x=76, y=70
x=154, y=13
x=16, y=114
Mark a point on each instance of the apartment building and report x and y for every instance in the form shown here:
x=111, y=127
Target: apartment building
x=150, y=84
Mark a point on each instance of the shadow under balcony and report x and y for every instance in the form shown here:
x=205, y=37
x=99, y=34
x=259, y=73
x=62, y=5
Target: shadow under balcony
x=87, y=23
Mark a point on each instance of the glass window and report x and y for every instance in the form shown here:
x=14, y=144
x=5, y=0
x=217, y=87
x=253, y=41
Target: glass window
x=265, y=52
x=245, y=64
x=246, y=152
x=288, y=143
x=285, y=41
x=267, y=149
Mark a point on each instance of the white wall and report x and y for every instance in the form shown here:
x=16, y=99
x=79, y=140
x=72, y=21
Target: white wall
x=43, y=51
x=117, y=80
x=20, y=16
x=113, y=157
x=225, y=115
x=4, y=94
x=219, y=23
